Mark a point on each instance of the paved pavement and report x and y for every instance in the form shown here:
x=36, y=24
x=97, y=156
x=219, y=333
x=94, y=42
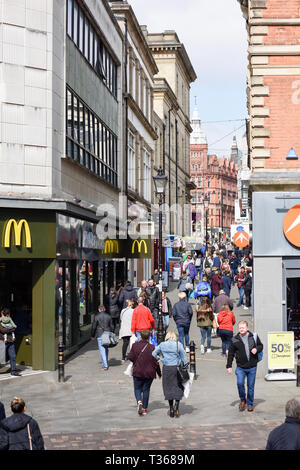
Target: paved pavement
x=95, y=409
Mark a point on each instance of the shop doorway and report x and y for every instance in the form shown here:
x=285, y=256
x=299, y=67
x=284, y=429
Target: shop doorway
x=16, y=294
x=293, y=305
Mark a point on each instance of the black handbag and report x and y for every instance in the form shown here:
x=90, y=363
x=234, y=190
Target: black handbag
x=182, y=371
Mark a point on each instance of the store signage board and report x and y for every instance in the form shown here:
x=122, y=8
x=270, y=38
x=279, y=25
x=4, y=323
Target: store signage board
x=281, y=350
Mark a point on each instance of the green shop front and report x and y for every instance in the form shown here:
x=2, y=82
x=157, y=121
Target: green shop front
x=52, y=267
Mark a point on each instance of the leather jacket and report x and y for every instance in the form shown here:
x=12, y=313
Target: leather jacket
x=102, y=322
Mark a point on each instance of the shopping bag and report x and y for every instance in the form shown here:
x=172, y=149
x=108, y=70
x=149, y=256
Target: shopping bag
x=128, y=370
x=133, y=340
x=188, y=385
x=154, y=340
x=191, y=294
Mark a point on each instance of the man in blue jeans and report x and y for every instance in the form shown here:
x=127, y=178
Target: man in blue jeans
x=244, y=348
x=182, y=315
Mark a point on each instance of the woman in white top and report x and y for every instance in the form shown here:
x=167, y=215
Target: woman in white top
x=125, y=328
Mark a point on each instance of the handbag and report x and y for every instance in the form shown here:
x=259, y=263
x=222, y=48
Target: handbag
x=154, y=340
x=214, y=324
x=260, y=355
x=182, y=371
x=109, y=339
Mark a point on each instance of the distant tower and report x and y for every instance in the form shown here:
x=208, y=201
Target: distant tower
x=234, y=156
x=198, y=136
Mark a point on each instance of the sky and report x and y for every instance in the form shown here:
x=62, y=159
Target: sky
x=214, y=35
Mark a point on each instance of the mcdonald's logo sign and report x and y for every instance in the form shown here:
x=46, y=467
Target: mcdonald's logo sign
x=17, y=228
x=111, y=246
x=139, y=245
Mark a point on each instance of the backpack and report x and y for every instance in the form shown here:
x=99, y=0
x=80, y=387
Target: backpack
x=260, y=354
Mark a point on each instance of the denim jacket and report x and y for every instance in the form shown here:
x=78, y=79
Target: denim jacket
x=168, y=351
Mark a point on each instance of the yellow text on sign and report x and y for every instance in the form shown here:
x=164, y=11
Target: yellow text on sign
x=281, y=350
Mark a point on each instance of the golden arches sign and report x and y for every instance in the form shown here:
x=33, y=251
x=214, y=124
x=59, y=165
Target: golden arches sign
x=16, y=227
x=139, y=245
x=111, y=246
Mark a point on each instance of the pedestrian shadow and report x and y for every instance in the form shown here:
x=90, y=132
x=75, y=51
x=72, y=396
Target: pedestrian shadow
x=183, y=408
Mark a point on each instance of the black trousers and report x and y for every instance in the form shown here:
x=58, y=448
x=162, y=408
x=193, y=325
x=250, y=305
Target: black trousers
x=248, y=297
x=126, y=340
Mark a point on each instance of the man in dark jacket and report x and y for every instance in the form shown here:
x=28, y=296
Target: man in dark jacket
x=182, y=314
x=244, y=349
x=287, y=435
x=111, y=303
x=152, y=292
x=102, y=322
x=128, y=292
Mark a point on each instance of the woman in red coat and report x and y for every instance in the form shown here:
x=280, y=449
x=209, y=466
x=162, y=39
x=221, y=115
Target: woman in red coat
x=226, y=320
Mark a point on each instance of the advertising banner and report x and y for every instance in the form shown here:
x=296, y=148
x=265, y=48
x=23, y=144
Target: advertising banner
x=281, y=350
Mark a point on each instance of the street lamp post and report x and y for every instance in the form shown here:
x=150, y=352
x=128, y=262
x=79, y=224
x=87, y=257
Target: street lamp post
x=160, y=181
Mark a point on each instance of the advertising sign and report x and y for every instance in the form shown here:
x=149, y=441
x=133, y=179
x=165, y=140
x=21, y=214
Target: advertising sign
x=281, y=350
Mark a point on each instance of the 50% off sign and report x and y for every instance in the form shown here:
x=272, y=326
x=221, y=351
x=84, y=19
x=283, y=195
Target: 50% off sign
x=281, y=350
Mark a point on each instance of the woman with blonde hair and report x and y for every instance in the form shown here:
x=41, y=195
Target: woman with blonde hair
x=171, y=353
x=20, y=431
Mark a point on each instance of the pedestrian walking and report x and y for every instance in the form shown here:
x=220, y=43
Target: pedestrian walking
x=145, y=368
x=226, y=320
x=192, y=270
x=182, y=314
x=202, y=289
x=102, y=322
x=142, y=319
x=244, y=348
x=247, y=285
x=111, y=303
x=152, y=292
x=220, y=300
x=20, y=431
x=287, y=435
x=239, y=280
x=205, y=321
x=125, y=332
x=171, y=353
x=227, y=281
x=185, y=284
x=216, y=282
x=7, y=333
x=166, y=309
x=128, y=292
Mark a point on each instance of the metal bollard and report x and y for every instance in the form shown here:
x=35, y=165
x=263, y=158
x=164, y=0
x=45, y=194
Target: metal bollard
x=193, y=359
x=61, y=364
x=298, y=371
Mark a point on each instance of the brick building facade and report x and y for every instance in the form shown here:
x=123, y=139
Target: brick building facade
x=216, y=178
x=274, y=144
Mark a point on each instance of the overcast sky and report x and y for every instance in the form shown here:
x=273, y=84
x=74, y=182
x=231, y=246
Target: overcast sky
x=215, y=37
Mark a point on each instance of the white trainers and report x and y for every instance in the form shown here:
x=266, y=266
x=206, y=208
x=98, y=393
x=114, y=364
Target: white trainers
x=208, y=350
x=245, y=308
x=202, y=349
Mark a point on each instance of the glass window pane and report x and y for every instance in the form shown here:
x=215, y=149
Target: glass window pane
x=100, y=141
x=69, y=17
x=96, y=51
x=81, y=123
x=86, y=133
x=81, y=30
x=75, y=24
x=86, y=39
x=91, y=56
x=69, y=113
x=92, y=134
x=75, y=119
